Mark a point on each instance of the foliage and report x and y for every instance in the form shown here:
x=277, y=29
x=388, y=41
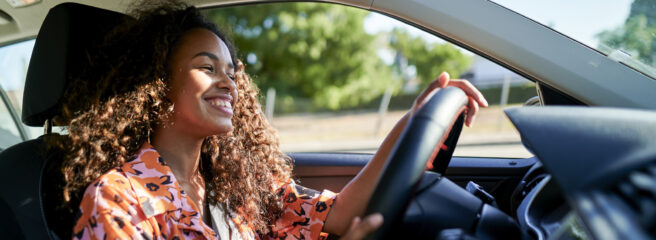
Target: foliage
x=638, y=34
x=308, y=50
x=321, y=52
x=430, y=59
x=635, y=37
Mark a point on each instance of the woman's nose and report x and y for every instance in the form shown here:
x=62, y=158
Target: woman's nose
x=226, y=82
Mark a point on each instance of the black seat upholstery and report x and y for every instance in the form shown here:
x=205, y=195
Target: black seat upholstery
x=29, y=175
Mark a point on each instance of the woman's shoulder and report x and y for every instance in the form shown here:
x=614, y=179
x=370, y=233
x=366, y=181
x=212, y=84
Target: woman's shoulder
x=119, y=181
x=113, y=185
x=111, y=192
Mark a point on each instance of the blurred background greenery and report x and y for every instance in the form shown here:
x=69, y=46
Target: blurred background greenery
x=636, y=37
x=319, y=56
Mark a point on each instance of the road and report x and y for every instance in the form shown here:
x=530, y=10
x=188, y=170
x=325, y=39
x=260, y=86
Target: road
x=491, y=136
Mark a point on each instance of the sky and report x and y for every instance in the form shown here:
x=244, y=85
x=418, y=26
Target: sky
x=579, y=19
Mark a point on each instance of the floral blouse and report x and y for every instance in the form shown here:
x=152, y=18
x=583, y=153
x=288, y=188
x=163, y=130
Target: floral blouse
x=143, y=200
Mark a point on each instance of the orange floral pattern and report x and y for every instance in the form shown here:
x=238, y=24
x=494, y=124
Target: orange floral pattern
x=143, y=200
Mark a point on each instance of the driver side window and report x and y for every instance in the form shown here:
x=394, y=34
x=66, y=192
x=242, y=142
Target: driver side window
x=334, y=78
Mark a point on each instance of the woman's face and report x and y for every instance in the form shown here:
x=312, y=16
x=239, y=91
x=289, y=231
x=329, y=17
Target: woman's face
x=202, y=85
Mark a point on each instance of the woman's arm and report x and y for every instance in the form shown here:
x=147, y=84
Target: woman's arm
x=354, y=197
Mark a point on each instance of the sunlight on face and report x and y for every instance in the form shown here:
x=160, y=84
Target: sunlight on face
x=203, y=90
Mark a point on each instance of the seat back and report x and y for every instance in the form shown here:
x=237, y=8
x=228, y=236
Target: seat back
x=30, y=175
x=20, y=181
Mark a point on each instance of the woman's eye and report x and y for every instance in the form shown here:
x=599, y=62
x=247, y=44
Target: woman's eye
x=207, y=68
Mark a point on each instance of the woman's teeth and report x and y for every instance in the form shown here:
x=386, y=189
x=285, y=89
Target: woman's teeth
x=220, y=103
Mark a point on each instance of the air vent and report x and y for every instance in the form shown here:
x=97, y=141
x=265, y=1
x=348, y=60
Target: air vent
x=638, y=191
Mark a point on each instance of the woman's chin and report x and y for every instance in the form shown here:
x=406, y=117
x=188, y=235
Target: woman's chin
x=223, y=130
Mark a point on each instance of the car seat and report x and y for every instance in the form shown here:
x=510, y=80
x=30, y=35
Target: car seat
x=30, y=175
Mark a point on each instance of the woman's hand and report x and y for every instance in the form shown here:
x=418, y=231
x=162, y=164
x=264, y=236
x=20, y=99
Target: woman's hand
x=475, y=96
x=354, y=197
x=360, y=228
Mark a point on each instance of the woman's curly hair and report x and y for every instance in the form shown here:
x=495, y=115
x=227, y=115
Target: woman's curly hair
x=123, y=97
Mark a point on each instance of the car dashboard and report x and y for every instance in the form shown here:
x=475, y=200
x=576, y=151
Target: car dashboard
x=545, y=214
x=596, y=175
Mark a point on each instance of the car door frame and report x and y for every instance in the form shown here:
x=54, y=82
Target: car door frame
x=14, y=115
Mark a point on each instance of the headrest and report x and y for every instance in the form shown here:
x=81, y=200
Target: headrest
x=60, y=52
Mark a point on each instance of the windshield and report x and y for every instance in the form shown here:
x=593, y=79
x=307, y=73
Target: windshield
x=624, y=30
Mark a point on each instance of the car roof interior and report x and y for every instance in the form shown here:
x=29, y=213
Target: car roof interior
x=20, y=23
x=24, y=22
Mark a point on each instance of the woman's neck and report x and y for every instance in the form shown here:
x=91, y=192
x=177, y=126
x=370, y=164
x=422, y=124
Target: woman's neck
x=180, y=151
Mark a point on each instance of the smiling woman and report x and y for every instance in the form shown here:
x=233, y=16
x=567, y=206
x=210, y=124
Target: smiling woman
x=171, y=141
x=162, y=92
x=174, y=142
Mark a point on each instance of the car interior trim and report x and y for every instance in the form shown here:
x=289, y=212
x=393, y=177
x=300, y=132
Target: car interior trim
x=14, y=115
x=523, y=210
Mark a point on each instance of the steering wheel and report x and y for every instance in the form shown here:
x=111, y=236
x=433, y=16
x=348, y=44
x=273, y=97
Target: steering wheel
x=421, y=140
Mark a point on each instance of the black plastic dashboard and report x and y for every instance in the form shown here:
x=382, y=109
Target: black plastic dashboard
x=601, y=165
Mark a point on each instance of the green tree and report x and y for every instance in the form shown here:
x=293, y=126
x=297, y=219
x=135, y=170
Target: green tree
x=429, y=59
x=308, y=50
x=321, y=52
x=638, y=34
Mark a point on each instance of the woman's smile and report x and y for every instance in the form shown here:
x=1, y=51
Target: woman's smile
x=222, y=103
